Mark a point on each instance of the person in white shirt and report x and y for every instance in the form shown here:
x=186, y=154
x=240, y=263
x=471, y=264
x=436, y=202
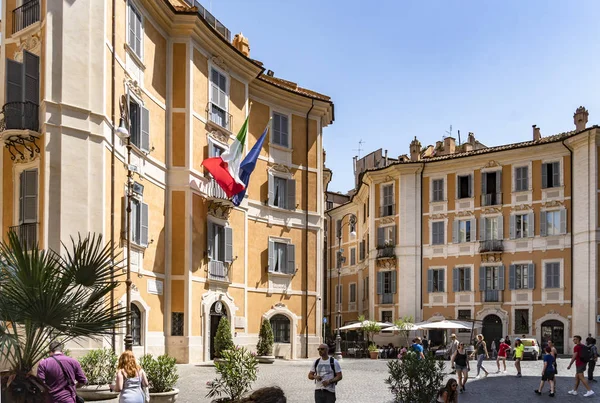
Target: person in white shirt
x=326, y=372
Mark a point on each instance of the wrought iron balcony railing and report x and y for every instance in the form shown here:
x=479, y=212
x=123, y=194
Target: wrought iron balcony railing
x=491, y=199
x=492, y=296
x=492, y=245
x=219, y=116
x=211, y=20
x=218, y=271
x=24, y=16
x=385, y=252
x=27, y=234
x=20, y=116
x=386, y=298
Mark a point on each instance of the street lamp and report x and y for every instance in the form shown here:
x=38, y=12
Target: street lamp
x=123, y=134
x=340, y=259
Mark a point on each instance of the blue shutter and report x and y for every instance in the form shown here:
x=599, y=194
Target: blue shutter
x=291, y=194
x=473, y=230
x=512, y=277
x=429, y=280
x=531, y=275
x=543, y=223
x=471, y=186
x=467, y=279
x=380, y=236
x=228, y=244
x=272, y=190
x=394, y=235
x=482, y=224
x=271, y=256
x=394, y=282
x=455, y=279
x=210, y=240
x=144, y=226
x=555, y=174
x=501, y=278
x=482, y=278
x=499, y=184
x=512, y=227
x=380, y=283
x=441, y=281
x=530, y=225
x=544, y=176
x=483, y=183
x=291, y=259
x=563, y=221
x=145, y=129
x=501, y=227
x=455, y=228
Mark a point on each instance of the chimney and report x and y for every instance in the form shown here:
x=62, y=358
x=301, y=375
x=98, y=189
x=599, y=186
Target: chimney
x=415, y=150
x=439, y=145
x=467, y=147
x=580, y=118
x=536, y=133
x=471, y=138
x=386, y=158
x=240, y=42
x=449, y=145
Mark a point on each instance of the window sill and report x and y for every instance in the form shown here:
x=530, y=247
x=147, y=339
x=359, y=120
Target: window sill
x=279, y=274
x=281, y=208
x=282, y=148
x=138, y=61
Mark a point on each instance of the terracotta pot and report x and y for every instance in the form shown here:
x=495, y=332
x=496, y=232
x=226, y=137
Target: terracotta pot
x=373, y=354
x=164, y=397
x=92, y=393
x=265, y=359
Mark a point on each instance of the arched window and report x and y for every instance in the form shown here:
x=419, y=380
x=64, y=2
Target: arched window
x=281, y=328
x=136, y=325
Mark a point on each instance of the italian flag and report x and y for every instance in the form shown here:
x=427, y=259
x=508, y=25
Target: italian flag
x=226, y=168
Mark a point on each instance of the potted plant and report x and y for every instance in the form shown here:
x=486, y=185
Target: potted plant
x=223, y=339
x=162, y=377
x=264, y=348
x=373, y=351
x=237, y=372
x=99, y=366
x=413, y=379
x=75, y=299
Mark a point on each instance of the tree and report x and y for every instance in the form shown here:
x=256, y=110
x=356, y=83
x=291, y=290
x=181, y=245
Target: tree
x=413, y=380
x=265, y=339
x=369, y=327
x=223, y=339
x=405, y=324
x=47, y=297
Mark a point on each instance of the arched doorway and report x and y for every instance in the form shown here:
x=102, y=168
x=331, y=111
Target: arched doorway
x=554, y=330
x=492, y=329
x=217, y=311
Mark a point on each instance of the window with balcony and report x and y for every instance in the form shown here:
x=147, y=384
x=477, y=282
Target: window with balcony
x=135, y=31
x=492, y=228
x=491, y=188
x=281, y=328
x=139, y=125
x=521, y=226
x=388, y=207
x=463, y=231
x=521, y=179
x=521, y=321
x=352, y=293
x=282, y=257
x=386, y=236
x=282, y=193
x=220, y=250
x=21, y=110
x=550, y=175
x=552, y=275
x=435, y=280
x=461, y=277
x=438, y=233
x=386, y=286
x=26, y=14
x=521, y=276
x=437, y=194
x=553, y=222
x=280, y=135
x=215, y=149
x=218, y=111
x=464, y=185
x=491, y=282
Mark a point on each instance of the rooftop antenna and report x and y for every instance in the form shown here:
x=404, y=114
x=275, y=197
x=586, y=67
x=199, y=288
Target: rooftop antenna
x=359, y=149
x=449, y=132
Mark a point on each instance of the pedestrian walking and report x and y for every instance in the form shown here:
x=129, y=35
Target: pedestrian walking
x=547, y=372
x=482, y=353
x=61, y=375
x=493, y=347
x=507, y=340
x=418, y=348
x=591, y=343
x=460, y=361
x=131, y=380
x=425, y=344
x=580, y=357
x=326, y=372
x=452, y=349
x=502, y=353
x=519, y=350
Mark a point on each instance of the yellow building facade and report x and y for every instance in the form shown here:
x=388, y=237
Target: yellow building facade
x=506, y=237
x=183, y=87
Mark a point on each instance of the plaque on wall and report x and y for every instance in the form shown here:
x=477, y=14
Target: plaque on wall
x=155, y=287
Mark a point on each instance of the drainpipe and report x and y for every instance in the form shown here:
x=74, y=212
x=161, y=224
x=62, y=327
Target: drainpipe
x=571, y=215
x=112, y=175
x=421, y=223
x=328, y=269
x=306, y=238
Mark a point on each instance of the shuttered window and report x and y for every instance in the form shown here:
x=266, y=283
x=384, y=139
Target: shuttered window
x=551, y=175
x=386, y=282
x=463, y=231
x=361, y=254
x=438, y=190
x=220, y=243
x=553, y=222
x=280, y=134
x=219, y=99
x=139, y=222
x=435, y=280
x=461, y=278
x=521, y=276
x=521, y=226
x=552, y=275
x=139, y=125
x=464, y=186
x=352, y=292
x=521, y=179
x=282, y=257
x=135, y=30
x=352, y=256
x=28, y=196
x=438, y=233
x=282, y=193
x=22, y=85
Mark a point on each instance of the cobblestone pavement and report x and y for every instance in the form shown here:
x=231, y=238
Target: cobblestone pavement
x=364, y=382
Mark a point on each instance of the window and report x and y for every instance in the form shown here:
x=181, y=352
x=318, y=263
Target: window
x=136, y=325
x=551, y=175
x=386, y=236
x=282, y=193
x=521, y=226
x=387, y=208
x=521, y=276
x=435, y=280
x=282, y=257
x=491, y=278
x=215, y=150
x=366, y=288
x=352, y=256
x=176, y=323
x=492, y=228
x=437, y=233
x=362, y=250
x=219, y=100
x=280, y=136
x=386, y=285
x=521, y=320
x=329, y=205
x=553, y=222
x=135, y=31
x=22, y=93
x=463, y=231
x=462, y=279
x=491, y=188
x=438, y=190
x=28, y=208
x=220, y=243
x=386, y=316
x=464, y=189
x=553, y=275
x=139, y=125
x=139, y=222
x=464, y=314
x=352, y=293
x=521, y=179
x=281, y=328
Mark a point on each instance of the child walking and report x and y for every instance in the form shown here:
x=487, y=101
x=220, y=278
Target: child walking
x=547, y=372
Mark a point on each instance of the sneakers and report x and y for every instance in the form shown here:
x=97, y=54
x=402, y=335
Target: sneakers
x=573, y=392
x=519, y=375
x=504, y=372
x=589, y=393
x=551, y=394
x=537, y=392
x=485, y=374
x=477, y=377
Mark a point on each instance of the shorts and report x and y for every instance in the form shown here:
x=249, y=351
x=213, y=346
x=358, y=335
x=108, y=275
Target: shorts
x=519, y=359
x=502, y=357
x=548, y=376
x=581, y=369
x=461, y=368
x=324, y=396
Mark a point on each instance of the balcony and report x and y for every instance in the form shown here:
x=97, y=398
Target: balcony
x=27, y=234
x=218, y=271
x=491, y=246
x=388, y=210
x=491, y=296
x=26, y=15
x=386, y=298
x=491, y=199
x=211, y=20
x=386, y=252
x=214, y=191
x=20, y=116
x=218, y=116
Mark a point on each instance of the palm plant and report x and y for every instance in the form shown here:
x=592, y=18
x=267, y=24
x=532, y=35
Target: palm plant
x=46, y=297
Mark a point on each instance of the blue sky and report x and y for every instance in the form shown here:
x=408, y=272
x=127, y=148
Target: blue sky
x=399, y=69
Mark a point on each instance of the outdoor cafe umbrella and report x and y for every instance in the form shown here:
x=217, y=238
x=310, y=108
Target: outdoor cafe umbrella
x=358, y=325
x=407, y=327
x=444, y=324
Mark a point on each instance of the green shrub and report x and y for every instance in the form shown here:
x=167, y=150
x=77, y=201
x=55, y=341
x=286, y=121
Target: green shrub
x=412, y=380
x=223, y=339
x=265, y=339
x=237, y=373
x=99, y=366
x=161, y=372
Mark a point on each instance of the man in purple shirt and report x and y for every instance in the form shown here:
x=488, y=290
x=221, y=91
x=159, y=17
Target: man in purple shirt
x=60, y=389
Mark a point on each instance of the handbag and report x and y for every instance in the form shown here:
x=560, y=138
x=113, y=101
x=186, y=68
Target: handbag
x=78, y=399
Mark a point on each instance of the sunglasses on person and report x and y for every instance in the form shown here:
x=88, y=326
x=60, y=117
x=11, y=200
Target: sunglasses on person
x=454, y=385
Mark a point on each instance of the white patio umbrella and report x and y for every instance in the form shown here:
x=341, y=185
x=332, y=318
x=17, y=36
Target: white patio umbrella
x=408, y=327
x=444, y=324
x=358, y=325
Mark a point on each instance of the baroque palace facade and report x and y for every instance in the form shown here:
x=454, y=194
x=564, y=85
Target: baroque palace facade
x=505, y=236
x=184, y=88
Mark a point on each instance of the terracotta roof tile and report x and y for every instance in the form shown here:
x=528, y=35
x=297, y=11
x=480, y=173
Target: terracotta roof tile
x=289, y=85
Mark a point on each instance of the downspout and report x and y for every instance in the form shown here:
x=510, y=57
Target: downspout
x=306, y=237
x=112, y=175
x=571, y=215
x=421, y=224
x=367, y=247
x=329, y=268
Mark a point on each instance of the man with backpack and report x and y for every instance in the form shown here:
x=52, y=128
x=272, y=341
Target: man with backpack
x=581, y=356
x=326, y=372
x=591, y=343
